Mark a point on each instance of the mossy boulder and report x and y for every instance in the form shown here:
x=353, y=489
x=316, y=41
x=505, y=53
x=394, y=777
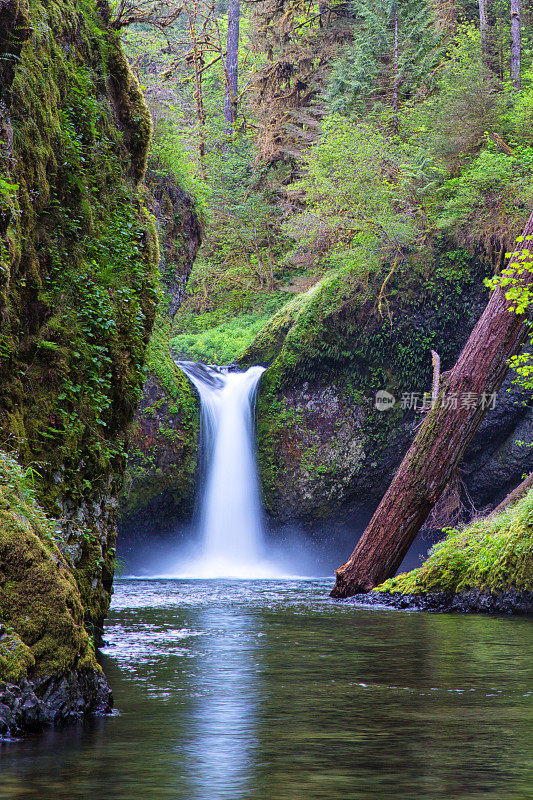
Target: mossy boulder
x=161, y=471
x=487, y=565
x=40, y=600
x=42, y=632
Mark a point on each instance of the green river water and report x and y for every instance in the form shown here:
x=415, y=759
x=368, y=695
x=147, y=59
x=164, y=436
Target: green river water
x=270, y=690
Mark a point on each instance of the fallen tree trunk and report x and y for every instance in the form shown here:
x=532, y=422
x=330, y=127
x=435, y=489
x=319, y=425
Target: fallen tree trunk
x=514, y=496
x=464, y=397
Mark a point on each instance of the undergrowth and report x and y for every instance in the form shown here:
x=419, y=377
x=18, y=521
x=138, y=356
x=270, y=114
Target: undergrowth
x=211, y=338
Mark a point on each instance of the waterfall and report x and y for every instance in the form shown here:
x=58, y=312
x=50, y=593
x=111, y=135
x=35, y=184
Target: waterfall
x=229, y=517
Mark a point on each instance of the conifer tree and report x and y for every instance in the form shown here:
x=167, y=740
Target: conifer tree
x=394, y=52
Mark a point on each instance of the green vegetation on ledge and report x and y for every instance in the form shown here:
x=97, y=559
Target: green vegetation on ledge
x=491, y=554
x=211, y=340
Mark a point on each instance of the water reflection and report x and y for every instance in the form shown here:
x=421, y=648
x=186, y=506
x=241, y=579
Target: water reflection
x=271, y=691
x=221, y=738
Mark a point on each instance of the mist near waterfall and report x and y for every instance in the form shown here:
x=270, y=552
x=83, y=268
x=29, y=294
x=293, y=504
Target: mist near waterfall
x=227, y=537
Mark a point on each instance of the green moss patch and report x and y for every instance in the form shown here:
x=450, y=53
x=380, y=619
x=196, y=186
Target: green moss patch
x=40, y=604
x=164, y=436
x=492, y=554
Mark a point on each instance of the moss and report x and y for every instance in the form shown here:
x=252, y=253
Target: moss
x=78, y=259
x=492, y=554
x=269, y=341
x=16, y=658
x=40, y=601
x=131, y=110
x=160, y=363
x=164, y=437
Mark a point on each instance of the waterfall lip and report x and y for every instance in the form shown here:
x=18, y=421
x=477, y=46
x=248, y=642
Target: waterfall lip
x=206, y=373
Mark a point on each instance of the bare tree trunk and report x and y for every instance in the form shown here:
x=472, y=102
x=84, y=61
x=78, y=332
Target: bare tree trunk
x=396, y=78
x=489, y=49
x=483, y=22
x=232, y=65
x=439, y=445
x=516, y=46
x=198, y=63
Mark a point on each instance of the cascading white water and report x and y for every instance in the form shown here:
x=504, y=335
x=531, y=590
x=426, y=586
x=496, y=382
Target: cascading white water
x=229, y=516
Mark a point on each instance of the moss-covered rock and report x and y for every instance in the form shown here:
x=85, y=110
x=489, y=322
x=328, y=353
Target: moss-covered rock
x=324, y=448
x=163, y=441
x=78, y=294
x=40, y=600
x=42, y=632
x=492, y=555
x=163, y=445
x=78, y=254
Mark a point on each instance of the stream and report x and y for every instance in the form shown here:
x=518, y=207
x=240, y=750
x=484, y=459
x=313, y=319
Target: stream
x=270, y=690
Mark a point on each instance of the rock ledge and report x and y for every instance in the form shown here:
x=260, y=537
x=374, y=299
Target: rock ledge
x=511, y=601
x=31, y=705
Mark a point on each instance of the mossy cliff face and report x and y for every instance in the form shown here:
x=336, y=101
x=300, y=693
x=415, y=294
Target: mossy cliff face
x=43, y=641
x=324, y=449
x=163, y=445
x=78, y=258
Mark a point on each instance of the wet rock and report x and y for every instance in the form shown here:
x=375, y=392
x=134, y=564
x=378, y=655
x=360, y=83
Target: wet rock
x=31, y=705
x=510, y=601
x=163, y=439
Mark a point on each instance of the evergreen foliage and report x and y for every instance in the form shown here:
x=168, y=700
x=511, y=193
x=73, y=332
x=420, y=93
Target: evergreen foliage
x=362, y=77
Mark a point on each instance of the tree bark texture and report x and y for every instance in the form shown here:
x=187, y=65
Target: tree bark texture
x=515, y=42
x=396, y=76
x=483, y=22
x=489, y=43
x=438, y=446
x=198, y=62
x=232, y=65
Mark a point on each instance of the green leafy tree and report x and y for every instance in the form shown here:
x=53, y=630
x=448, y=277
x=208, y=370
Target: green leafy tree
x=357, y=199
x=515, y=279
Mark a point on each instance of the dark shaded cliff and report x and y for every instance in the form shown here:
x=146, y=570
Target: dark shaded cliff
x=325, y=450
x=162, y=454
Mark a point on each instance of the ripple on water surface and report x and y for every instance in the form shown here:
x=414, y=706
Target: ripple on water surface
x=270, y=690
